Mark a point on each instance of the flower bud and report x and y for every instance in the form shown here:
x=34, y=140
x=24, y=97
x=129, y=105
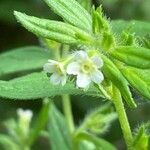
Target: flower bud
x=142, y=137
x=25, y=117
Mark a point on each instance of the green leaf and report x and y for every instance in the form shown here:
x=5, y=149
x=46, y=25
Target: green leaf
x=58, y=130
x=101, y=28
x=53, y=30
x=133, y=56
x=7, y=143
x=139, y=27
x=40, y=122
x=23, y=59
x=139, y=79
x=99, y=143
x=113, y=73
x=37, y=85
x=100, y=23
x=86, y=4
x=72, y=12
x=99, y=120
x=83, y=144
x=128, y=39
x=146, y=41
x=108, y=41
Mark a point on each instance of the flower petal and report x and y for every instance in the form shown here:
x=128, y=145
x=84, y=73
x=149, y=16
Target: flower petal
x=83, y=80
x=53, y=62
x=49, y=68
x=73, y=68
x=97, y=77
x=63, y=80
x=97, y=61
x=79, y=55
x=55, y=79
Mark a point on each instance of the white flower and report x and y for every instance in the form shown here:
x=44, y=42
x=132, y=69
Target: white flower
x=25, y=117
x=25, y=114
x=86, y=69
x=58, y=72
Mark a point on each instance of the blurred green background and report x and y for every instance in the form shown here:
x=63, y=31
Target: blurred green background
x=13, y=35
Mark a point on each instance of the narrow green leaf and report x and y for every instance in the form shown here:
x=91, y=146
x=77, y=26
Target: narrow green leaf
x=139, y=79
x=146, y=41
x=99, y=120
x=138, y=27
x=133, y=56
x=58, y=130
x=86, y=4
x=23, y=59
x=100, y=144
x=7, y=143
x=46, y=28
x=113, y=73
x=53, y=30
x=83, y=144
x=40, y=122
x=37, y=85
x=72, y=12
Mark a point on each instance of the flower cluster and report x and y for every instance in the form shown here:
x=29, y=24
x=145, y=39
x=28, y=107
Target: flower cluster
x=85, y=68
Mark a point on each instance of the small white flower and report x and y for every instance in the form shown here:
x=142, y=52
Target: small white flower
x=24, y=120
x=25, y=115
x=58, y=72
x=86, y=69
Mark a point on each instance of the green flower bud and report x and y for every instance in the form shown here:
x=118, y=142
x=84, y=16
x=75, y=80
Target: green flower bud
x=142, y=137
x=100, y=23
x=25, y=117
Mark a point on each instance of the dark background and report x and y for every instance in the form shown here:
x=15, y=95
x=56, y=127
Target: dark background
x=13, y=35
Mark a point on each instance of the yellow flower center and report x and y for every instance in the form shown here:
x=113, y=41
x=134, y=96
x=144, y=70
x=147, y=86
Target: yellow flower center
x=59, y=69
x=87, y=66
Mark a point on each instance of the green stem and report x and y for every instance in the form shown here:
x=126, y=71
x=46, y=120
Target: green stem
x=66, y=99
x=117, y=99
x=68, y=112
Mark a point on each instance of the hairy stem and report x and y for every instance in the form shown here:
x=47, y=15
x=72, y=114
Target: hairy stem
x=68, y=112
x=117, y=99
